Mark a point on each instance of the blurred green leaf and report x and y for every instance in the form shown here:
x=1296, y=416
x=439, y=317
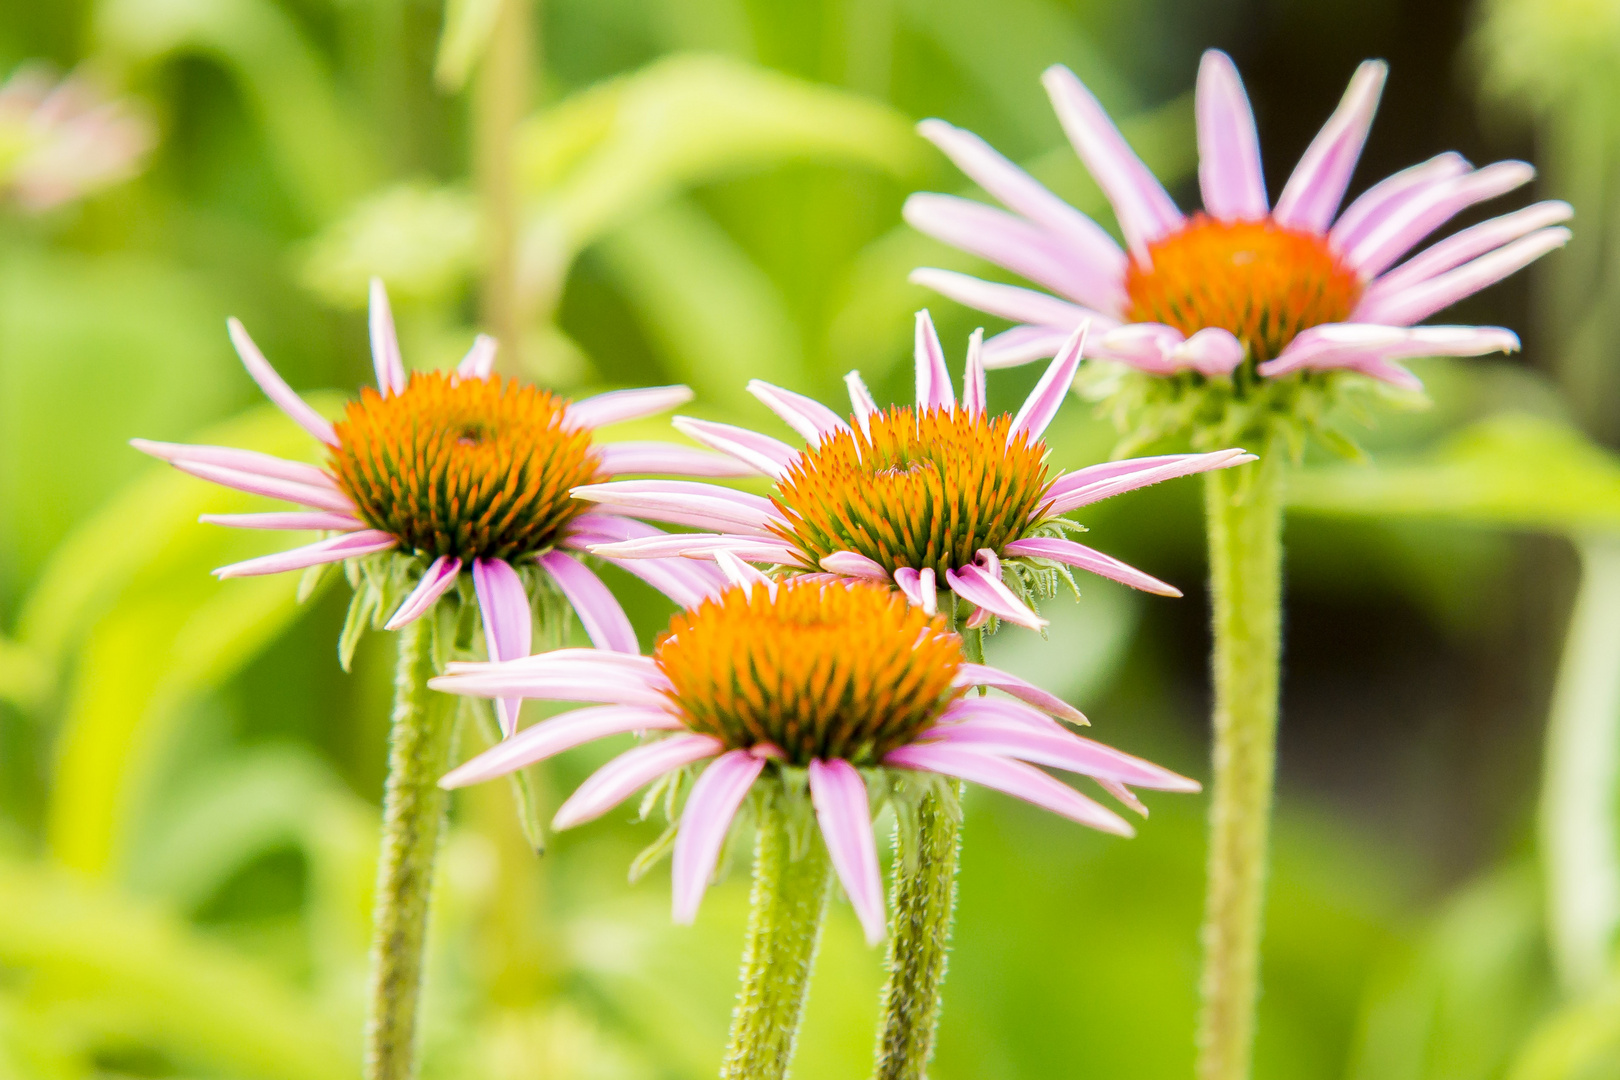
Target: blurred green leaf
x=1581, y=1042
x=467, y=28
x=421, y=240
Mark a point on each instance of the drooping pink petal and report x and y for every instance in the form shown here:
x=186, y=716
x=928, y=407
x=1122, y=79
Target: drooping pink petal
x=987, y=560
x=702, y=506
x=1073, y=554
x=705, y=822
x=551, y=737
x=1022, y=344
x=326, y=498
x=333, y=549
x=292, y=521
x=1014, y=244
x=508, y=624
x=812, y=420
x=1314, y=191
x=562, y=675
x=1354, y=345
x=1145, y=211
x=620, y=778
x=860, y=399
x=919, y=586
x=245, y=461
x=1108, y=470
x=437, y=580
x=973, y=388
x=685, y=582
x=480, y=359
x=842, y=810
x=1144, y=346
x=275, y=387
x=933, y=379
x=994, y=709
x=1066, y=494
x=1390, y=194
x=385, y=356
x=1427, y=210
x=773, y=457
x=854, y=564
x=700, y=546
x=977, y=587
x=618, y=405
x=1027, y=692
x=740, y=573
x=1419, y=301
x=1058, y=749
x=650, y=456
x=1007, y=301
x=1458, y=249
x=1212, y=352
x=599, y=612
x=1012, y=777
x=1047, y=397
x=1229, y=173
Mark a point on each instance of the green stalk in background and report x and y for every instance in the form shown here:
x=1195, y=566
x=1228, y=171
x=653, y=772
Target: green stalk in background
x=500, y=99
x=1244, y=512
x=414, y=812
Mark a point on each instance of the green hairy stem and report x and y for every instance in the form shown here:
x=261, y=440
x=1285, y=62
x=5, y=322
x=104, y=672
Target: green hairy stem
x=922, y=903
x=414, y=809
x=1244, y=510
x=787, y=907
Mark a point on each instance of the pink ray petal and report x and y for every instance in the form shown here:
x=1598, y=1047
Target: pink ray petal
x=988, y=561
x=1073, y=554
x=324, y=498
x=1229, y=172
x=854, y=564
x=773, y=457
x=385, y=343
x=275, y=387
x=933, y=379
x=995, y=710
x=1066, y=495
x=1123, y=794
x=860, y=398
x=1391, y=193
x=700, y=546
x=620, y=778
x=1022, y=344
x=812, y=420
x=1144, y=346
x=1007, y=301
x=1428, y=210
x=845, y=816
x=1419, y=301
x=1027, y=692
x=686, y=583
x=1145, y=211
x=333, y=549
x=702, y=506
x=1012, y=777
x=551, y=737
x=973, y=388
x=740, y=573
x=562, y=675
x=437, y=580
x=977, y=587
x=1059, y=749
x=1108, y=470
x=294, y=521
x=508, y=624
x=650, y=456
x=1461, y=247
x=1212, y=352
x=245, y=461
x=480, y=359
x=1044, y=401
x=1370, y=347
x=599, y=612
x=705, y=822
x=618, y=405
x=1314, y=191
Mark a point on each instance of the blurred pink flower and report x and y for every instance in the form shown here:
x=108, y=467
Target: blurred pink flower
x=60, y=140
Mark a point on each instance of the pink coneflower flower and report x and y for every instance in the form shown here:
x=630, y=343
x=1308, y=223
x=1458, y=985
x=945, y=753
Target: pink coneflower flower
x=844, y=680
x=1285, y=287
x=466, y=471
x=60, y=140
x=940, y=495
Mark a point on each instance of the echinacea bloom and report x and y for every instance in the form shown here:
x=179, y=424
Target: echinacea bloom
x=1286, y=286
x=844, y=680
x=60, y=140
x=466, y=469
x=940, y=495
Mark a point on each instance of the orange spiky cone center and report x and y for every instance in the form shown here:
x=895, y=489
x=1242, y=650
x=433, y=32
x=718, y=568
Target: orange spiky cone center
x=464, y=466
x=1263, y=281
x=826, y=670
x=916, y=488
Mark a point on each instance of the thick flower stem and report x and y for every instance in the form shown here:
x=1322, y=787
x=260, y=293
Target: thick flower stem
x=923, y=901
x=788, y=904
x=1244, y=509
x=414, y=809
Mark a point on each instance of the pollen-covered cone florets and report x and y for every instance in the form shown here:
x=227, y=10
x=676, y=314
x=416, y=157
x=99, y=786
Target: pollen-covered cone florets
x=822, y=671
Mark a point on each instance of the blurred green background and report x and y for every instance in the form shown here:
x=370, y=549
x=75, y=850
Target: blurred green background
x=708, y=191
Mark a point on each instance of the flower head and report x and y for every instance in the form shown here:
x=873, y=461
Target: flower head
x=1276, y=288
x=936, y=495
x=60, y=140
x=459, y=471
x=843, y=680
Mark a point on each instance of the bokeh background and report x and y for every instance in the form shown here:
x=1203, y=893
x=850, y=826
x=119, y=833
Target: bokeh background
x=708, y=191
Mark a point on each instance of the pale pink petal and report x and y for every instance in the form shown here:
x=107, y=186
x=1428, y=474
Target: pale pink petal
x=437, y=580
x=839, y=797
x=773, y=457
x=860, y=398
x=1371, y=347
x=325, y=498
x=705, y=822
x=997, y=710
x=1314, y=191
x=668, y=458
x=295, y=521
x=617, y=405
x=702, y=506
x=699, y=546
x=246, y=461
x=385, y=343
x=551, y=737
x=1229, y=172
x=973, y=388
x=1007, y=301
x=1012, y=777
x=1108, y=470
x=622, y=777
x=1145, y=211
x=480, y=359
x=686, y=583
x=562, y=675
x=508, y=624
x=1073, y=554
x=933, y=379
x=854, y=564
x=977, y=587
x=1144, y=346
x=1022, y=344
x=1057, y=748
x=740, y=573
x=1044, y=401
x=599, y=612
x=812, y=420
x=1066, y=495
x=1212, y=352
x=1457, y=249
x=1428, y=210
x=1028, y=692
x=920, y=587
x=275, y=387
x=1419, y=301
x=333, y=549
x=1387, y=196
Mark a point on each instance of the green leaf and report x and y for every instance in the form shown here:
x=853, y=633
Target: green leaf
x=1581, y=1042
x=468, y=25
x=421, y=240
